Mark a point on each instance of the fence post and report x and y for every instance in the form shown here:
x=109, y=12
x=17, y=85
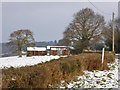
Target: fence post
x=103, y=55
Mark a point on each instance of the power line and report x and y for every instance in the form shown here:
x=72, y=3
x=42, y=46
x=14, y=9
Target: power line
x=99, y=9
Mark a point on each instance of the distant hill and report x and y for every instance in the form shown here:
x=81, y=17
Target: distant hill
x=44, y=43
x=5, y=50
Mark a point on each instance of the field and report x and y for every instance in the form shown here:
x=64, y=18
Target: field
x=50, y=74
x=15, y=61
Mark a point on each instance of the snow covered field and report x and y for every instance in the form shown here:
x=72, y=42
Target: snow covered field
x=96, y=79
x=15, y=61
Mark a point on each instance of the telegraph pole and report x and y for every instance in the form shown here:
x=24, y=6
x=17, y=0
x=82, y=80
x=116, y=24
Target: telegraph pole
x=113, y=33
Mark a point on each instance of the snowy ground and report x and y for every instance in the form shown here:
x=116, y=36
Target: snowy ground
x=96, y=79
x=15, y=61
x=119, y=70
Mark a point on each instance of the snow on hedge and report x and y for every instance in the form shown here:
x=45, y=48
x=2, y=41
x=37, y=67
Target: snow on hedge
x=15, y=61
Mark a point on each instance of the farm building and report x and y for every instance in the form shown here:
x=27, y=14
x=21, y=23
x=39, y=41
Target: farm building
x=36, y=51
x=49, y=50
x=58, y=50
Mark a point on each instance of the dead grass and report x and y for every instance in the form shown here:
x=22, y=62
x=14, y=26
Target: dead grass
x=49, y=74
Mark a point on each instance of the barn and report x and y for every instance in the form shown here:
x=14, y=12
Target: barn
x=36, y=51
x=58, y=50
x=48, y=50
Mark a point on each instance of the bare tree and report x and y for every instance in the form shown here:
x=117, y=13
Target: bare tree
x=85, y=26
x=21, y=39
x=64, y=42
x=107, y=32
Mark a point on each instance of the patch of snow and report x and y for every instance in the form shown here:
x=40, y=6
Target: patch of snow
x=23, y=52
x=15, y=61
x=12, y=79
x=58, y=48
x=117, y=54
x=62, y=81
x=48, y=47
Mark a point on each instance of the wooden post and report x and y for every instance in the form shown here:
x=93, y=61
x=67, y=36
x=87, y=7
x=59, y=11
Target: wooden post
x=103, y=58
x=103, y=55
x=113, y=33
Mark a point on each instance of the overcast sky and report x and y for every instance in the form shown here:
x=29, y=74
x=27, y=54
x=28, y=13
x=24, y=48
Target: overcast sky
x=47, y=20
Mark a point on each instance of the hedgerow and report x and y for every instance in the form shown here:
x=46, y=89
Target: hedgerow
x=50, y=74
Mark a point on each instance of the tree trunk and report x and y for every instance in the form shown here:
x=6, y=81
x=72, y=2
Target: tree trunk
x=19, y=50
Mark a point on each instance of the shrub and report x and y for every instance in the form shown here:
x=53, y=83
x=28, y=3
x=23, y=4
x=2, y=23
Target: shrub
x=73, y=67
x=65, y=67
x=79, y=64
x=13, y=84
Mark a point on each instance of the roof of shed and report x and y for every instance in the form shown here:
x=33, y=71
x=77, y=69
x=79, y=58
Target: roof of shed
x=36, y=48
x=48, y=47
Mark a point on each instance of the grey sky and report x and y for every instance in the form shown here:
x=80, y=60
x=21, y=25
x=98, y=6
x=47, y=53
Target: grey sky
x=46, y=20
x=119, y=9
